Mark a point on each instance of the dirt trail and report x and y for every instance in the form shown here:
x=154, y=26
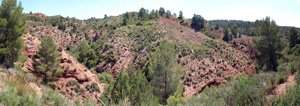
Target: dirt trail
x=281, y=88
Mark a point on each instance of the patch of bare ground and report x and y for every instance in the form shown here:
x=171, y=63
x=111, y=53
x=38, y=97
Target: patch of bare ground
x=221, y=61
x=180, y=32
x=281, y=89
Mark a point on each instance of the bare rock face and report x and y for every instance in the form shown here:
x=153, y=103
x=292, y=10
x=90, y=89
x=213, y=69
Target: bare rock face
x=37, y=89
x=81, y=77
x=31, y=45
x=100, y=34
x=31, y=48
x=74, y=71
x=28, y=65
x=60, y=37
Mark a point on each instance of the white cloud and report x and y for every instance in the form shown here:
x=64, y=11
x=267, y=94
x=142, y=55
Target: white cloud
x=298, y=1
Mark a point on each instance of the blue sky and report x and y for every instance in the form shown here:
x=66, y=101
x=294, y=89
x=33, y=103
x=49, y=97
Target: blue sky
x=284, y=12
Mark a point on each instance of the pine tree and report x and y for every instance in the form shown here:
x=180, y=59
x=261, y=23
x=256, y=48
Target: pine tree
x=217, y=26
x=197, y=22
x=152, y=15
x=234, y=30
x=269, y=44
x=156, y=14
x=174, y=14
x=127, y=15
x=47, y=54
x=134, y=86
x=226, y=34
x=91, y=58
x=180, y=15
x=176, y=100
x=74, y=30
x=140, y=92
x=121, y=87
x=164, y=72
x=130, y=70
x=87, y=55
x=12, y=23
x=168, y=14
x=293, y=37
x=162, y=11
x=82, y=49
x=124, y=21
x=105, y=16
x=143, y=14
x=240, y=33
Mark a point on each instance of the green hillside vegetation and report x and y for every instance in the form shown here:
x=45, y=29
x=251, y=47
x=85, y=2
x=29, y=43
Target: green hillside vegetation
x=150, y=58
x=246, y=27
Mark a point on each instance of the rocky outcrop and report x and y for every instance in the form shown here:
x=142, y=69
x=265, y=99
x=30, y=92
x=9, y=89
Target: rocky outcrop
x=37, y=89
x=40, y=15
x=60, y=37
x=31, y=45
x=76, y=78
x=74, y=71
x=222, y=63
x=100, y=34
x=28, y=65
x=124, y=57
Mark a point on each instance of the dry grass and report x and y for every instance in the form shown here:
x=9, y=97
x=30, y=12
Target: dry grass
x=16, y=90
x=18, y=80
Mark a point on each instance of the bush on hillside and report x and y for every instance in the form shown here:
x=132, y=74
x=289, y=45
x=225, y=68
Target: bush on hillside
x=238, y=92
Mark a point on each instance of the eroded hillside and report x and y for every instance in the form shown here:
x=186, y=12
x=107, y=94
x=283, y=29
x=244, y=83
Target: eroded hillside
x=204, y=61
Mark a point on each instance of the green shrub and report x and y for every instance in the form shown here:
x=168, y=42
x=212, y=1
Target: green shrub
x=71, y=83
x=51, y=85
x=16, y=92
x=186, y=52
x=178, y=61
x=81, y=90
x=281, y=80
x=10, y=98
x=107, y=46
x=176, y=100
x=88, y=87
x=95, y=87
x=68, y=48
x=89, y=102
x=219, y=72
x=297, y=77
x=106, y=78
x=111, y=57
x=139, y=23
x=60, y=49
x=69, y=61
x=180, y=56
x=59, y=72
x=19, y=64
x=283, y=67
x=291, y=98
x=292, y=67
x=53, y=98
x=77, y=88
x=243, y=91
